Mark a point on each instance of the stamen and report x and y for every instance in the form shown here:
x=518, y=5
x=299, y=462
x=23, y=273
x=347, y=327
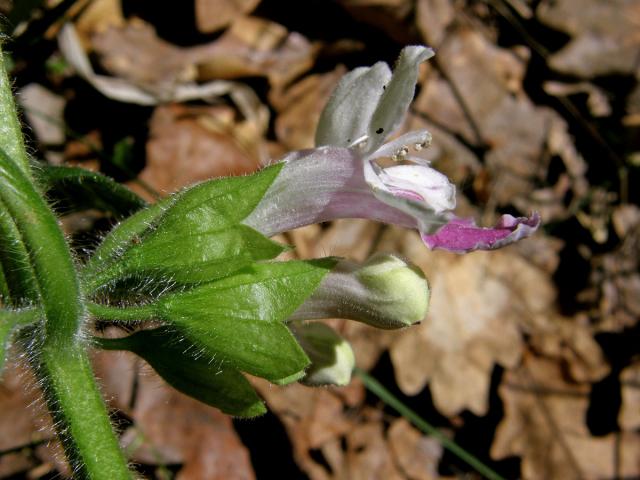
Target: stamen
x=423, y=144
x=400, y=154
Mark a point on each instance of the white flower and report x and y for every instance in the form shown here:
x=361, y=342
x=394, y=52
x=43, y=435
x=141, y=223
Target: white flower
x=342, y=178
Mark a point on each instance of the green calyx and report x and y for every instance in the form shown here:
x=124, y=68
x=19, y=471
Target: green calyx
x=187, y=368
x=239, y=320
x=193, y=237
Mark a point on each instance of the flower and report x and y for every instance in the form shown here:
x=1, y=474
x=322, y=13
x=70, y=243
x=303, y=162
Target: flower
x=341, y=177
x=332, y=358
x=385, y=292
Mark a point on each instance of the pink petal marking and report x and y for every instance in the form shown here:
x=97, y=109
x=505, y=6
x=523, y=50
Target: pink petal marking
x=462, y=235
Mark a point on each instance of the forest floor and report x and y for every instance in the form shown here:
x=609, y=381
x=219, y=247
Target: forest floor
x=530, y=356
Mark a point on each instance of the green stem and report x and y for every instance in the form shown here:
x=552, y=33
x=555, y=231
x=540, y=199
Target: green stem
x=123, y=343
x=25, y=316
x=58, y=352
x=80, y=416
x=48, y=253
x=10, y=130
x=59, y=357
x=387, y=397
x=15, y=264
x=93, y=279
x=135, y=313
x=5, y=293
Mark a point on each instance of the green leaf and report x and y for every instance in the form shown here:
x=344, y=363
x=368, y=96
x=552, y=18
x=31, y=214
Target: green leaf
x=266, y=350
x=269, y=291
x=74, y=189
x=123, y=155
x=14, y=262
x=192, y=237
x=5, y=293
x=126, y=234
x=240, y=317
x=11, y=140
x=193, y=257
x=189, y=370
x=218, y=203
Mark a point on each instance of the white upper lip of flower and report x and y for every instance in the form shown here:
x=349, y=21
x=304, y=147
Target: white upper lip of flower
x=370, y=103
x=368, y=106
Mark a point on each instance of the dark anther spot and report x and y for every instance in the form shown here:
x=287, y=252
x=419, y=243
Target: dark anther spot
x=384, y=87
x=380, y=130
x=348, y=140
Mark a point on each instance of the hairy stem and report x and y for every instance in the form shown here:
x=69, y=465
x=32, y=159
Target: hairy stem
x=14, y=261
x=58, y=350
x=10, y=130
x=81, y=419
x=135, y=313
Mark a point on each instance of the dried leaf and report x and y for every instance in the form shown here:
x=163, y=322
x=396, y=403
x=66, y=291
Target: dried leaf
x=605, y=35
x=614, y=282
x=134, y=52
x=481, y=100
x=390, y=16
x=315, y=418
x=14, y=463
x=156, y=69
x=44, y=110
x=299, y=107
x=21, y=424
x=98, y=16
x=368, y=456
x=212, y=15
x=456, y=347
x=629, y=417
x=597, y=99
x=126, y=91
x=352, y=238
x=433, y=17
x=626, y=219
x=571, y=341
x=170, y=428
x=189, y=144
x=117, y=371
x=23, y=420
x=416, y=454
x=523, y=7
x=253, y=46
x=542, y=251
x=544, y=423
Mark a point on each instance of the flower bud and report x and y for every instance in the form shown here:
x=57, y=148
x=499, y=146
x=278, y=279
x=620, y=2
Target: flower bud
x=331, y=356
x=385, y=292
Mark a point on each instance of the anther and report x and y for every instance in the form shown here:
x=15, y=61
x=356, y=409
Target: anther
x=400, y=154
x=423, y=144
